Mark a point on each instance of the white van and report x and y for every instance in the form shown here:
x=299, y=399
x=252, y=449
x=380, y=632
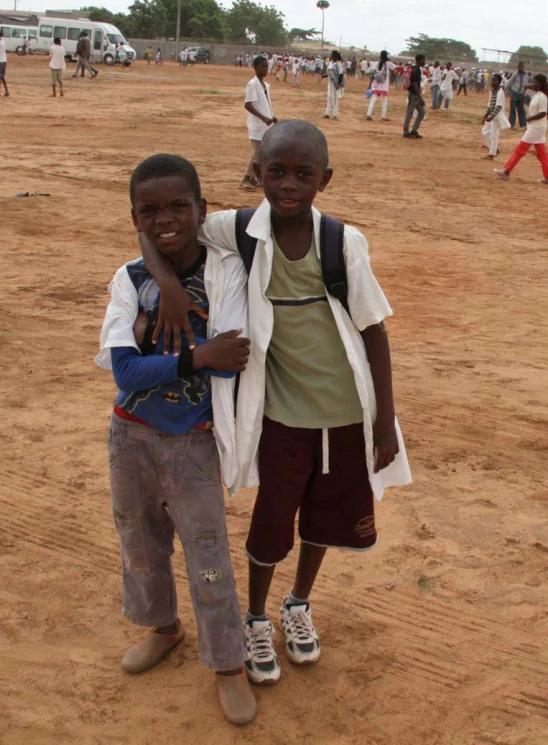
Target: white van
x=15, y=36
x=104, y=38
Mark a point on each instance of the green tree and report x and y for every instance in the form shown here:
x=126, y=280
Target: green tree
x=199, y=18
x=120, y=20
x=442, y=49
x=530, y=55
x=249, y=22
x=323, y=5
x=149, y=18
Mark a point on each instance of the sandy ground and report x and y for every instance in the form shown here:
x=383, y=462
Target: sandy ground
x=438, y=637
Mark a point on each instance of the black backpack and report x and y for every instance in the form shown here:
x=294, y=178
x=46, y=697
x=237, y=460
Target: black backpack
x=331, y=252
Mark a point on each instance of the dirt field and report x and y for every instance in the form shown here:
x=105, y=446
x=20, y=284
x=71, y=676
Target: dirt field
x=438, y=637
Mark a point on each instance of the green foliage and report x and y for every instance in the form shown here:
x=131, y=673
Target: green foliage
x=530, y=55
x=322, y=5
x=203, y=19
x=149, y=18
x=442, y=49
x=249, y=22
x=122, y=21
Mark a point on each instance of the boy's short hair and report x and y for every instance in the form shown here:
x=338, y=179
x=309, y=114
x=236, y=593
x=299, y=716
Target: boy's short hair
x=296, y=129
x=498, y=77
x=259, y=60
x=164, y=164
x=57, y=40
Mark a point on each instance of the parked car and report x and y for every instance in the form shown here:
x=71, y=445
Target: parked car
x=202, y=54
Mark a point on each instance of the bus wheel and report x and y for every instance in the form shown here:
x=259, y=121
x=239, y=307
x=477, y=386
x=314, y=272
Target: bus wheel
x=108, y=59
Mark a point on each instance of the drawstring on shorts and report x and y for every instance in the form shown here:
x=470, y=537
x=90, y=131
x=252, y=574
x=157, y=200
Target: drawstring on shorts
x=325, y=451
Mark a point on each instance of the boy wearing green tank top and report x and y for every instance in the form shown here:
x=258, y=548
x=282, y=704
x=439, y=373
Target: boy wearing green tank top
x=315, y=427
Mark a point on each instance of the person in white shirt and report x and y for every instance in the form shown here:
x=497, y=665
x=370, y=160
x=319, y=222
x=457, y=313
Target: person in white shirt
x=56, y=65
x=192, y=57
x=436, y=78
x=379, y=85
x=296, y=68
x=3, y=63
x=260, y=117
x=335, y=84
x=446, y=89
x=495, y=118
x=537, y=124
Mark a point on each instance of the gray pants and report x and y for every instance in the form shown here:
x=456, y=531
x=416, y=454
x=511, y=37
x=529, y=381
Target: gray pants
x=161, y=483
x=83, y=64
x=411, y=107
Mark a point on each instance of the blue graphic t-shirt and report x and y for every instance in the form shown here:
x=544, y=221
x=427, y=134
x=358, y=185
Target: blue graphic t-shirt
x=173, y=405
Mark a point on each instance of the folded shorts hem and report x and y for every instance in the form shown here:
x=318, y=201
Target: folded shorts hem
x=342, y=548
x=267, y=564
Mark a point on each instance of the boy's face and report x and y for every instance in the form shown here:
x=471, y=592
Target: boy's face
x=166, y=210
x=292, y=174
x=262, y=69
x=495, y=84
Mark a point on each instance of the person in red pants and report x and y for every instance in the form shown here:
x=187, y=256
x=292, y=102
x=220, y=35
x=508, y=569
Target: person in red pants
x=537, y=124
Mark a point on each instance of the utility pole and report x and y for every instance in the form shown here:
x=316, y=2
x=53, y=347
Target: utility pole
x=178, y=34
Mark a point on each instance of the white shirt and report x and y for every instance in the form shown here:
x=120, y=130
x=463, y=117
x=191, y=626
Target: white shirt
x=57, y=57
x=364, y=66
x=447, y=84
x=192, y=55
x=260, y=98
x=536, y=131
x=3, y=57
x=225, y=281
x=436, y=76
x=387, y=67
x=368, y=306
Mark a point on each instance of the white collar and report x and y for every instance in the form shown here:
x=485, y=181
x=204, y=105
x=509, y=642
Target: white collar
x=260, y=224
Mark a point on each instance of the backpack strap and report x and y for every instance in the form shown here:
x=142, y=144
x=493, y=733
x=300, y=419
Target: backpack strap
x=246, y=244
x=332, y=257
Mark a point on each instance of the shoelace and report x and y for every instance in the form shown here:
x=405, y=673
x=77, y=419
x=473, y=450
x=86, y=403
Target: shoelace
x=301, y=627
x=261, y=643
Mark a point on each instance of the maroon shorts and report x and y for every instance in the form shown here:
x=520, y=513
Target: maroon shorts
x=335, y=509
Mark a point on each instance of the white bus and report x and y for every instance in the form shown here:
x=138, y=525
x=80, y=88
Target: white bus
x=104, y=38
x=16, y=36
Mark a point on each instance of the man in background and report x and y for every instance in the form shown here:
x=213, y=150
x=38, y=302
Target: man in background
x=516, y=87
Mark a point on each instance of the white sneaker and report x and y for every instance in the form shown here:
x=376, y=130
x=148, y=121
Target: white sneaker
x=302, y=642
x=262, y=664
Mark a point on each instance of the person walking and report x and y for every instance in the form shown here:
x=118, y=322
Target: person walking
x=83, y=52
x=56, y=65
x=3, y=63
x=495, y=118
x=446, y=89
x=436, y=85
x=260, y=116
x=463, y=82
x=415, y=100
x=516, y=88
x=379, y=85
x=537, y=125
x=335, y=84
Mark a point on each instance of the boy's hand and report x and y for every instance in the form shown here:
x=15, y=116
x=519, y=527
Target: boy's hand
x=386, y=445
x=175, y=305
x=228, y=352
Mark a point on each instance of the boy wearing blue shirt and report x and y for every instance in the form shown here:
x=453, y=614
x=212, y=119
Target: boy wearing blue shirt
x=165, y=438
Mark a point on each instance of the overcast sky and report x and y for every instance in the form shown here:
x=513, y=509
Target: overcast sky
x=380, y=24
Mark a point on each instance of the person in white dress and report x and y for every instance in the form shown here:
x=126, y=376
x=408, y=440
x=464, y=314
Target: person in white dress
x=379, y=85
x=335, y=84
x=446, y=89
x=495, y=118
x=535, y=134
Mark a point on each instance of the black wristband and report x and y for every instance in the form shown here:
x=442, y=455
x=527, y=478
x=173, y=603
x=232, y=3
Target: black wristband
x=185, y=363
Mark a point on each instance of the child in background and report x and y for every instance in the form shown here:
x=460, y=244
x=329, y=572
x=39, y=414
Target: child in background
x=159, y=60
x=446, y=89
x=149, y=54
x=379, y=85
x=315, y=416
x=335, y=84
x=536, y=131
x=56, y=65
x=165, y=472
x=260, y=117
x=495, y=118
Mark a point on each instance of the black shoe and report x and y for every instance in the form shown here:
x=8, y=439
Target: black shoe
x=416, y=135
x=407, y=134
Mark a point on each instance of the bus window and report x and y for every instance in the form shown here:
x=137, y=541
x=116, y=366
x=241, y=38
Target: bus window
x=74, y=34
x=32, y=33
x=98, y=40
x=6, y=32
x=19, y=33
x=46, y=32
x=60, y=32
